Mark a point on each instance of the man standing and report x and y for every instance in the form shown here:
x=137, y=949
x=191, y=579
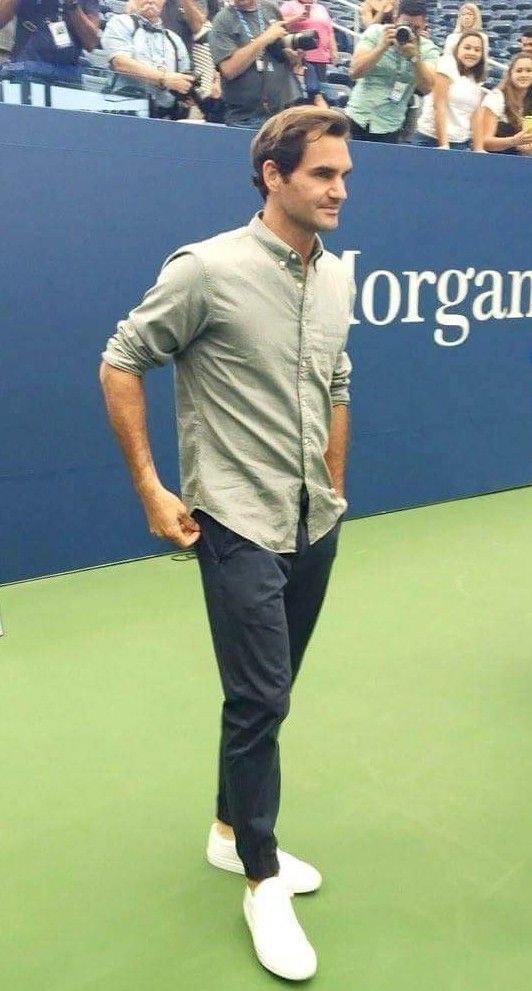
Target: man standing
x=51, y=34
x=257, y=77
x=391, y=62
x=526, y=40
x=256, y=322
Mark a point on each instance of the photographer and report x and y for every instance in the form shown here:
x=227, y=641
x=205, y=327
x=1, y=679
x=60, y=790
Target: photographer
x=139, y=46
x=391, y=63
x=256, y=71
x=50, y=35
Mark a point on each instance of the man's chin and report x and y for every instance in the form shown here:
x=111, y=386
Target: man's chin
x=328, y=222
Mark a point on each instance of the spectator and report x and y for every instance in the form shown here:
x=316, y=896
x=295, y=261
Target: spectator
x=526, y=40
x=310, y=16
x=256, y=80
x=140, y=47
x=450, y=117
x=469, y=19
x=7, y=38
x=50, y=35
x=387, y=74
x=377, y=12
x=505, y=109
x=192, y=21
x=187, y=18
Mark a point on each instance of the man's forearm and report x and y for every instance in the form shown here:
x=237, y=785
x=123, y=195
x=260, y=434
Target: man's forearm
x=239, y=61
x=8, y=10
x=126, y=407
x=194, y=17
x=83, y=26
x=336, y=454
x=363, y=61
x=166, y=515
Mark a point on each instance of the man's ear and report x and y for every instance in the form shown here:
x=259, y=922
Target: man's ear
x=271, y=175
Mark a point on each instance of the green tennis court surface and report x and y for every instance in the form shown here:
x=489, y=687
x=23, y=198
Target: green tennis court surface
x=407, y=764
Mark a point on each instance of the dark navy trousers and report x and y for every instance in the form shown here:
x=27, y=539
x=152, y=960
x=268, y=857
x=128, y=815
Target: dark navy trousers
x=262, y=609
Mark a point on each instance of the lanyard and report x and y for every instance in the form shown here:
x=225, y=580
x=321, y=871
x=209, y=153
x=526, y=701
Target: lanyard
x=245, y=25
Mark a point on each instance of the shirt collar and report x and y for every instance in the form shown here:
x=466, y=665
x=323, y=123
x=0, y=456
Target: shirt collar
x=279, y=248
x=150, y=26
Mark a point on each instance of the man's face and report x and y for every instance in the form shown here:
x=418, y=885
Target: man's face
x=526, y=45
x=150, y=9
x=312, y=196
x=418, y=23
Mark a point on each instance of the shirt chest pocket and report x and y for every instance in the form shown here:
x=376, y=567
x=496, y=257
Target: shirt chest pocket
x=328, y=329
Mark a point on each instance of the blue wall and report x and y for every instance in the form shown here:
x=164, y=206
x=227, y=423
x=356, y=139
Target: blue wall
x=91, y=205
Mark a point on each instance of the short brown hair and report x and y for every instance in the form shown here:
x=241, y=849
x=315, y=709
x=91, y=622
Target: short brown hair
x=283, y=139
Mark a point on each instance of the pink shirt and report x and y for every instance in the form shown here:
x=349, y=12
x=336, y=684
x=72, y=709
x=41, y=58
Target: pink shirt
x=318, y=20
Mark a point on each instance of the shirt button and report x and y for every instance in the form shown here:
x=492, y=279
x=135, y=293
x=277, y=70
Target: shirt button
x=300, y=285
x=293, y=255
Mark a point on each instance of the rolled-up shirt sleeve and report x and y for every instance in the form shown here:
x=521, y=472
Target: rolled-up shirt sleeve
x=171, y=315
x=340, y=380
x=117, y=37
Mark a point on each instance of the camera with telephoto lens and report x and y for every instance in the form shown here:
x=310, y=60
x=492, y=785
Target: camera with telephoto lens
x=404, y=34
x=305, y=41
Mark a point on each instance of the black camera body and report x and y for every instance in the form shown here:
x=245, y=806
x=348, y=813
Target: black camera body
x=305, y=41
x=404, y=34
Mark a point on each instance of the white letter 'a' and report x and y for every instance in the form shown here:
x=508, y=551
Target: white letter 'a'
x=488, y=305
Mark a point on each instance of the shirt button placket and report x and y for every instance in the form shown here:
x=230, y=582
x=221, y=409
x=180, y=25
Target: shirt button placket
x=304, y=406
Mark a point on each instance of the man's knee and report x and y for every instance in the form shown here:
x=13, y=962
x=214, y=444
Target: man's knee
x=259, y=714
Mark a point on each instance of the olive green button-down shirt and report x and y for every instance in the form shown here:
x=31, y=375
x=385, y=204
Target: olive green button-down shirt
x=258, y=350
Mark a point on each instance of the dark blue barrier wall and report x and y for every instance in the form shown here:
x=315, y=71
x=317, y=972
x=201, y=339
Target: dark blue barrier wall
x=91, y=205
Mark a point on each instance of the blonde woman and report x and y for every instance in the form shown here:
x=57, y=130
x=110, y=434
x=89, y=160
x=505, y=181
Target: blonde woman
x=469, y=19
x=507, y=110
x=377, y=12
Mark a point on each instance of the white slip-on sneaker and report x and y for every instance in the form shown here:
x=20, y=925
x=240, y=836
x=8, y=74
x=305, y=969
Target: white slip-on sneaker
x=279, y=940
x=299, y=877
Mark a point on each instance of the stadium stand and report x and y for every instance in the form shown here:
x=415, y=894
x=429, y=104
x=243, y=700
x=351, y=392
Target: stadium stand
x=502, y=22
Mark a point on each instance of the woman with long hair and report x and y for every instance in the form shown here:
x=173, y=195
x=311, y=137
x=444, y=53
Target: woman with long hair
x=505, y=111
x=469, y=18
x=377, y=12
x=450, y=116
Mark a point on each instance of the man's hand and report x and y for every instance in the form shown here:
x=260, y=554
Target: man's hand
x=168, y=517
x=273, y=32
x=277, y=30
x=410, y=51
x=178, y=82
x=387, y=38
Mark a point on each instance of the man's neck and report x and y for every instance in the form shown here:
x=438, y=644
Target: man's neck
x=300, y=240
